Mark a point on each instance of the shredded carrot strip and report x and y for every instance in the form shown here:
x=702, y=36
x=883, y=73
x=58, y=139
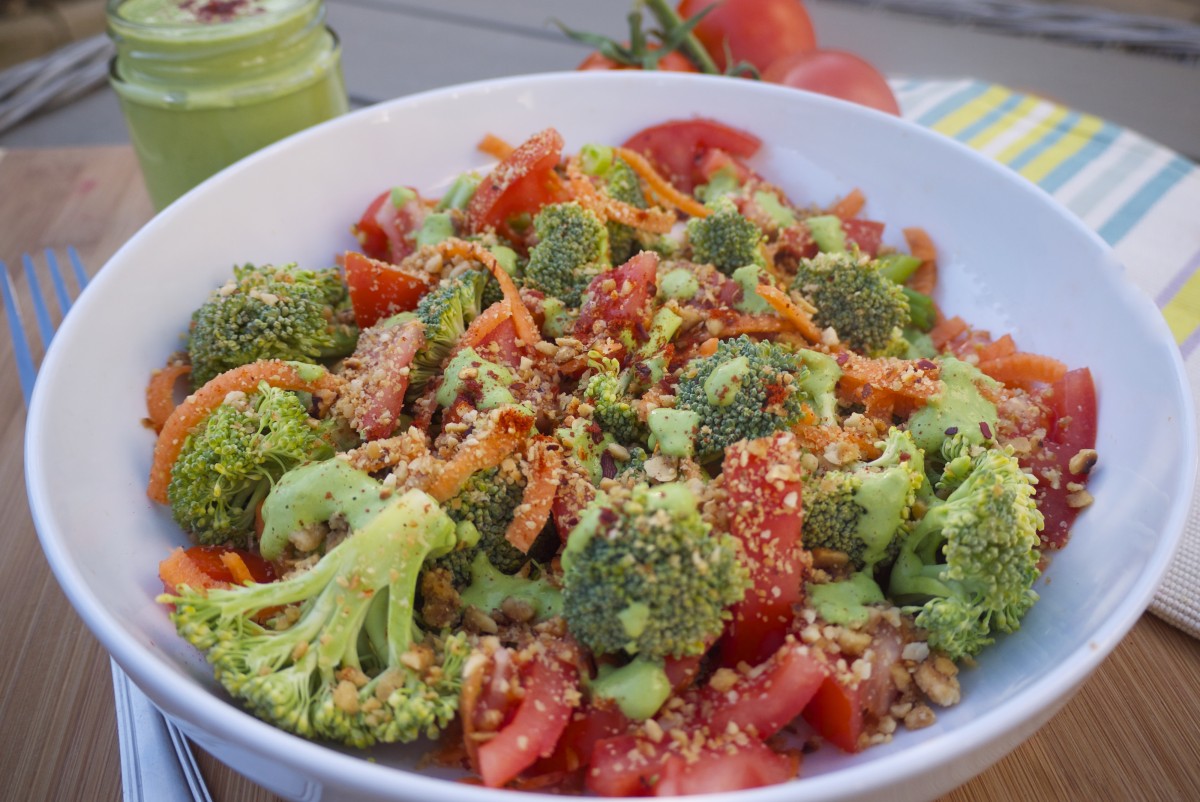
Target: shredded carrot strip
x=752, y=324
x=237, y=566
x=160, y=393
x=527, y=329
x=787, y=308
x=1022, y=369
x=493, y=145
x=508, y=433
x=658, y=221
x=1005, y=346
x=850, y=205
x=924, y=279
x=946, y=330
x=534, y=510
x=817, y=437
x=709, y=346
x=484, y=325
x=910, y=379
x=197, y=406
x=661, y=186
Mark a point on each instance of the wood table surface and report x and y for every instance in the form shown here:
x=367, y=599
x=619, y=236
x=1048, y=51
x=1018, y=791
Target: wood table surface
x=1132, y=732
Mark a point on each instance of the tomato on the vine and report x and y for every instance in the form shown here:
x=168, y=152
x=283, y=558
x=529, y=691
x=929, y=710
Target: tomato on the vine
x=835, y=73
x=758, y=32
x=673, y=61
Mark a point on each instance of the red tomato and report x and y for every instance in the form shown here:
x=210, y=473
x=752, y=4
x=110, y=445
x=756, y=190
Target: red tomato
x=522, y=183
x=774, y=694
x=836, y=713
x=755, y=31
x=676, y=148
x=718, y=768
x=1070, y=429
x=835, y=73
x=587, y=727
x=671, y=62
x=628, y=305
x=385, y=356
x=379, y=290
x=866, y=234
x=386, y=232
x=536, y=725
x=762, y=479
x=201, y=567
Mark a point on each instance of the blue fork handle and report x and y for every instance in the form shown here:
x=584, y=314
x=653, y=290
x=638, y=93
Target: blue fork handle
x=26, y=372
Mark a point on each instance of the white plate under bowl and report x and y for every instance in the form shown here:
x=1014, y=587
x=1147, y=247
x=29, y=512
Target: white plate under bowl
x=1011, y=261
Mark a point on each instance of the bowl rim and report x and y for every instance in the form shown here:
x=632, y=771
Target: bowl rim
x=182, y=698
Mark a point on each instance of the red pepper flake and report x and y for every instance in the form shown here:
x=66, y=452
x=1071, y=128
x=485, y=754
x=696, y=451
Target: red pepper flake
x=925, y=364
x=985, y=429
x=953, y=430
x=842, y=358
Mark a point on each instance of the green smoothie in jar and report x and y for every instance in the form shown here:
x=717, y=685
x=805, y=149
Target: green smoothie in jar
x=203, y=83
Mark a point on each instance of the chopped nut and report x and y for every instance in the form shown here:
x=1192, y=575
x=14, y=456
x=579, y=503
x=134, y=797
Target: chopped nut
x=938, y=683
x=919, y=717
x=1083, y=461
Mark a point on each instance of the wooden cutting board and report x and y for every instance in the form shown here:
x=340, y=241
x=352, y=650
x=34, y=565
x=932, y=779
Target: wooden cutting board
x=1132, y=731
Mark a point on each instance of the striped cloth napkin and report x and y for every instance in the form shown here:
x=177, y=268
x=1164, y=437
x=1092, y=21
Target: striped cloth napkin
x=1141, y=198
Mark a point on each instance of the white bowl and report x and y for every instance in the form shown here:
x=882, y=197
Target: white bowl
x=1011, y=260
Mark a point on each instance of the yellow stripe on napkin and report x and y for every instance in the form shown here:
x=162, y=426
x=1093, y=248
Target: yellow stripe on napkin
x=1070, y=144
x=972, y=111
x=1183, y=310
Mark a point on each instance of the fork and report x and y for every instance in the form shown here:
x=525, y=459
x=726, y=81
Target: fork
x=156, y=759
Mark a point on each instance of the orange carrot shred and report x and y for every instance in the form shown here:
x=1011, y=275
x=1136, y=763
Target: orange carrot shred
x=850, y=205
x=494, y=146
x=160, y=393
x=197, y=406
x=946, y=330
x=1005, y=346
x=508, y=433
x=657, y=221
x=709, y=346
x=527, y=329
x=1024, y=369
x=534, y=510
x=924, y=279
x=237, y=566
x=790, y=312
x=661, y=186
x=180, y=569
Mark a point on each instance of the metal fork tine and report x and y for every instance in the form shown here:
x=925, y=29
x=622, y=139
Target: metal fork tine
x=26, y=372
x=40, y=312
x=81, y=275
x=56, y=278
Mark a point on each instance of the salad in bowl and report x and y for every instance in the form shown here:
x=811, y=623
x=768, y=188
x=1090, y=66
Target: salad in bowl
x=551, y=459
x=615, y=470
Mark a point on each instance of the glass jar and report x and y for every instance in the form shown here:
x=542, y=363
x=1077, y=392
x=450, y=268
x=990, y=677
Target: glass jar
x=203, y=83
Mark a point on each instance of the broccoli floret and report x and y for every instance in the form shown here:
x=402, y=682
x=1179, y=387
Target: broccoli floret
x=490, y=588
x=745, y=390
x=608, y=391
x=644, y=574
x=725, y=239
x=967, y=568
x=487, y=503
x=271, y=313
x=446, y=311
x=229, y=463
x=863, y=510
x=868, y=311
x=344, y=660
x=572, y=249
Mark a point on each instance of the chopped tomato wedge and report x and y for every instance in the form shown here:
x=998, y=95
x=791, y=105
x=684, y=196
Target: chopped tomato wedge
x=519, y=186
x=595, y=722
x=768, y=698
x=1070, y=429
x=384, y=356
x=762, y=479
x=726, y=767
x=536, y=725
x=379, y=289
x=866, y=234
x=836, y=713
x=677, y=148
x=621, y=297
x=385, y=230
